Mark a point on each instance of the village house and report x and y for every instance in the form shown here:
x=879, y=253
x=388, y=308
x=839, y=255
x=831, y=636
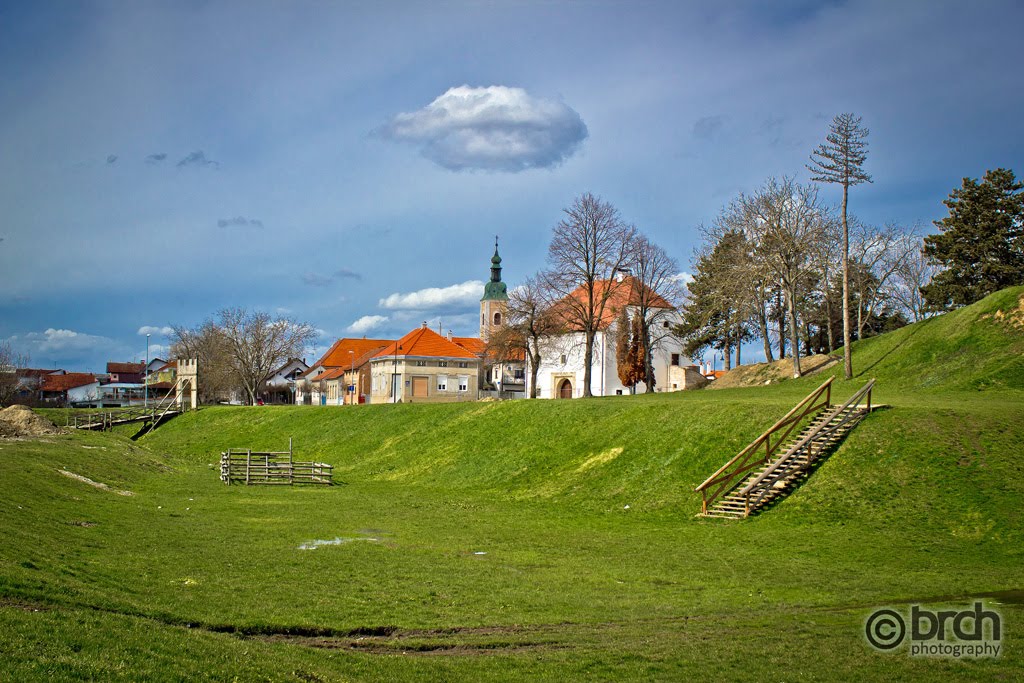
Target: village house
x=311, y=386
x=280, y=386
x=425, y=367
x=69, y=388
x=561, y=371
x=125, y=373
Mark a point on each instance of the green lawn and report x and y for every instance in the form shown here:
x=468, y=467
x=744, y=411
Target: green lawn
x=535, y=540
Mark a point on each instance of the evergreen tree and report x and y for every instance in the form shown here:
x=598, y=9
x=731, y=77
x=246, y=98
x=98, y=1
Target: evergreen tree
x=623, y=362
x=640, y=355
x=980, y=243
x=840, y=160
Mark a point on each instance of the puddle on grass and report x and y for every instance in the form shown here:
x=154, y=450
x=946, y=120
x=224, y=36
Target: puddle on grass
x=1010, y=597
x=313, y=545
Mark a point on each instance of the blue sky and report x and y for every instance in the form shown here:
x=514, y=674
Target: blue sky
x=349, y=163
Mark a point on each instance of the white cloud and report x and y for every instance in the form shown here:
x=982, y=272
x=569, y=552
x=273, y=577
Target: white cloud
x=495, y=129
x=366, y=323
x=60, y=341
x=150, y=329
x=155, y=351
x=465, y=294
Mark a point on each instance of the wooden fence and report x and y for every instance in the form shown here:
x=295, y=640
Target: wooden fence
x=249, y=467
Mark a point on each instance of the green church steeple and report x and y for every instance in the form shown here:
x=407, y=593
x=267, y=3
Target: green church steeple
x=495, y=290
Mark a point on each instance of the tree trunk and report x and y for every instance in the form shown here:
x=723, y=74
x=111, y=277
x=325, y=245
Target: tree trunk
x=782, y=325
x=762, y=321
x=534, y=369
x=847, y=354
x=727, y=360
x=588, y=362
x=828, y=319
x=648, y=355
x=739, y=345
x=794, y=332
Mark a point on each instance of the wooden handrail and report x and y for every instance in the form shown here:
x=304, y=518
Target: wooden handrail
x=740, y=463
x=824, y=427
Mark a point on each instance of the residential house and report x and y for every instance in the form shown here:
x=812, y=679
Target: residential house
x=30, y=382
x=424, y=367
x=280, y=386
x=69, y=388
x=310, y=387
x=126, y=373
x=561, y=371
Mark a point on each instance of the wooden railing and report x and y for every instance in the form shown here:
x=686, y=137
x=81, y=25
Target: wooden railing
x=753, y=456
x=106, y=419
x=838, y=418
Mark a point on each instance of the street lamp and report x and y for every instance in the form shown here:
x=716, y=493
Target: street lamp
x=145, y=377
x=351, y=388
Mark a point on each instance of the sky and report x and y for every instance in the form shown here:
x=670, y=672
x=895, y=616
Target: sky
x=348, y=164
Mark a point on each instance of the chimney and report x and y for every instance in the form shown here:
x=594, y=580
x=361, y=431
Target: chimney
x=424, y=324
x=449, y=335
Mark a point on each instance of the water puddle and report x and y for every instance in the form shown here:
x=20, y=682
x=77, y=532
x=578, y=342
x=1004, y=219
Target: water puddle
x=313, y=545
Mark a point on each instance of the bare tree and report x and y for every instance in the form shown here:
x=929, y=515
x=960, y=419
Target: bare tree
x=881, y=253
x=207, y=343
x=827, y=258
x=10, y=363
x=840, y=159
x=656, y=283
x=910, y=277
x=258, y=344
x=784, y=220
x=587, y=247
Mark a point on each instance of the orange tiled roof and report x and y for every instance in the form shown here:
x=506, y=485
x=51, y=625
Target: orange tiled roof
x=337, y=356
x=624, y=293
x=333, y=373
x=471, y=344
x=424, y=342
x=68, y=381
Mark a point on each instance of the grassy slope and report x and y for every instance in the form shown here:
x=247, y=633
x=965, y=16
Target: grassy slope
x=923, y=500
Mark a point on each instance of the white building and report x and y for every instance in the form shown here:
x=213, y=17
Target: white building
x=561, y=372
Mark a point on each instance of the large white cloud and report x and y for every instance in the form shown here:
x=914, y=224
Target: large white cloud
x=453, y=296
x=366, y=323
x=495, y=129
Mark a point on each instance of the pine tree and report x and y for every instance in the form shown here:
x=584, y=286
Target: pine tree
x=639, y=354
x=980, y=243
x=840, y=159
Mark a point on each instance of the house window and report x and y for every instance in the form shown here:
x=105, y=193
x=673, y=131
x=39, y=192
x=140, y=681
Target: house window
x=442, y=363
x=442, y=382
x=563, y=359
x=675, y=359
x=497, y=318
x=520, y=373
x=665, y=324
x=463, y=382
x=421, y=363
x=463, y=364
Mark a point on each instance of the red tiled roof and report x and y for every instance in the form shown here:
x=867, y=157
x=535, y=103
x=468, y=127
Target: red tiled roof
x=333, y=373
x=624, y=293
x=426, y=343
x=337, y=356
x=68, y=381
x=126, y=368
x=171, y=364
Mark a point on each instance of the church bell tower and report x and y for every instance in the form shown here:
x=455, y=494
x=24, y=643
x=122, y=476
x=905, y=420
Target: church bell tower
x=494, y=304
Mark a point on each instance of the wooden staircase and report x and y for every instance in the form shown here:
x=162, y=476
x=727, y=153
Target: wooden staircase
x=756, y=476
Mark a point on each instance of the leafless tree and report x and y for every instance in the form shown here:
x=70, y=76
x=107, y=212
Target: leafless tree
x=257, y=343
x=531, y=327
x=656, y=281
x=587, y=248
x=840, y=159
x=881, y=251
x=784, y=220
x=10, y=362
x=207, y=343
x=913, y=273
x=828, y=257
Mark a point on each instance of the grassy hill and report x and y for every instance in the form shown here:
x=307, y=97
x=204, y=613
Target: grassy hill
x=528, y=539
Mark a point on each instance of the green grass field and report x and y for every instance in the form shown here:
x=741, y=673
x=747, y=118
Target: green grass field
x=530, y=539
